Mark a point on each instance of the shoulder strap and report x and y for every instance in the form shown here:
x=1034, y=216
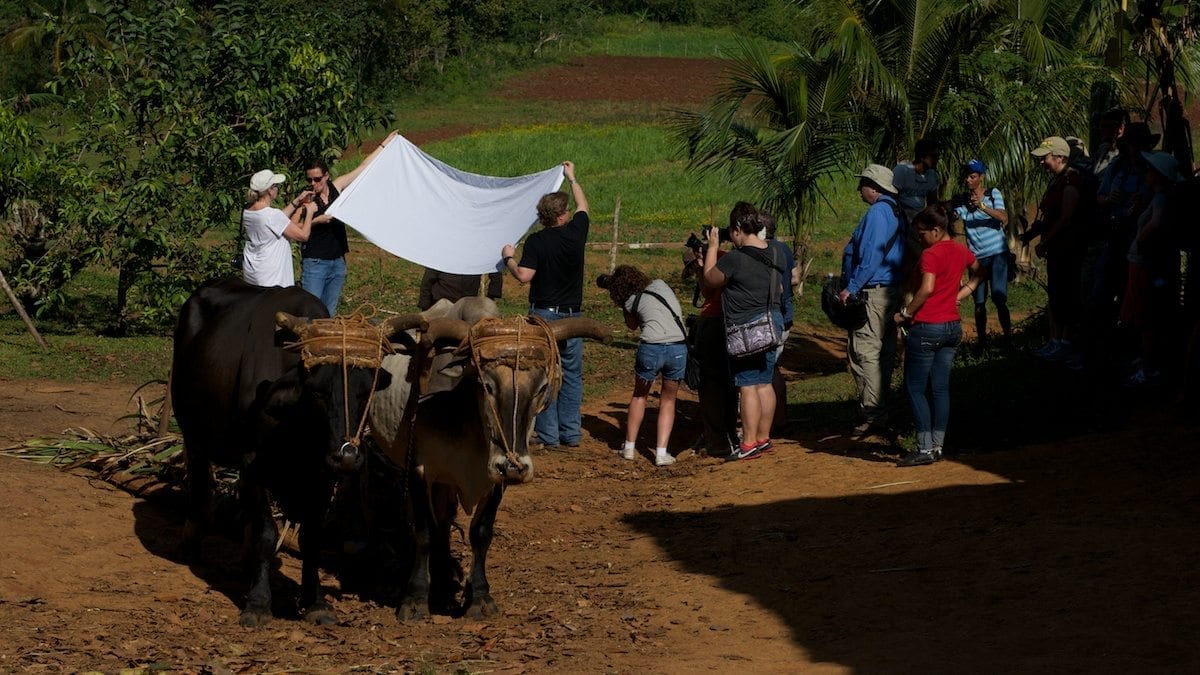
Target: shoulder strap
x=666, y=304
x=757, y=254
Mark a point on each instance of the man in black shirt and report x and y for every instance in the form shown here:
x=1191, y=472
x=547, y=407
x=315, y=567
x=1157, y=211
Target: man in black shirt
x=552, y=265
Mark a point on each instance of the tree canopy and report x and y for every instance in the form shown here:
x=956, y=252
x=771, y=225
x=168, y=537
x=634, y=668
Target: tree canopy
x=986, y=78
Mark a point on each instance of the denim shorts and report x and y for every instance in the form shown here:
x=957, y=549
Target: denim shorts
x=668, y=359
x=753, y=370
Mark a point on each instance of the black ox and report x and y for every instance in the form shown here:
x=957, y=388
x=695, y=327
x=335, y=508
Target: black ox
x=244, y=401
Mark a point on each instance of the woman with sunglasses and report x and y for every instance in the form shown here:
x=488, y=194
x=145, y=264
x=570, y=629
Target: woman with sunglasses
x=323, y=255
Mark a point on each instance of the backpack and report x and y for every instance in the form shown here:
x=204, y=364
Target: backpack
x=852, y=315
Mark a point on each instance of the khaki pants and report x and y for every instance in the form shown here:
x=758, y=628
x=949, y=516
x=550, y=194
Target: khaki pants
x=872, y=352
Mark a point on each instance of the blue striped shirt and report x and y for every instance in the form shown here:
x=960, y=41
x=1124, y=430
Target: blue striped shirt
x=985, y=234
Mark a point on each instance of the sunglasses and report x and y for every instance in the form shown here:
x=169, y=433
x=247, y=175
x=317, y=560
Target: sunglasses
x=318, y=179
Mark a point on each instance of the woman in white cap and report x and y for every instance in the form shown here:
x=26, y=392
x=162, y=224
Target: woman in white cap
x=267, y=253
x=1152, y=282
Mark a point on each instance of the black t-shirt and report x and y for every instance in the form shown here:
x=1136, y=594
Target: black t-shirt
x=747, y=290
x=326, y=241
x=437, y=285
x=557, y=255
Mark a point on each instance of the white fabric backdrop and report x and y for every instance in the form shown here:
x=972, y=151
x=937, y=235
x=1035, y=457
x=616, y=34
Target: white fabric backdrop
x=424, y=210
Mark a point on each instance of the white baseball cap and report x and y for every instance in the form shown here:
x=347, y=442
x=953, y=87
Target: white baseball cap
x=263, y=180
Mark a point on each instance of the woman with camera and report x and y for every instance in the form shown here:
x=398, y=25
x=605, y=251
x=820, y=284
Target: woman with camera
x=984, y=219
x=267, y=253
x=935, y=329
x=752, y=279
x=651, y=307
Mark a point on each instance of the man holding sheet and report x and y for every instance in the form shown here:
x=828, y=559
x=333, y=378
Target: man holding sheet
x=552, y=264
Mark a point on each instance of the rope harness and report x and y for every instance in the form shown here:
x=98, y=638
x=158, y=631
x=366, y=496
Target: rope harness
x=532, y=347
x=351, y=341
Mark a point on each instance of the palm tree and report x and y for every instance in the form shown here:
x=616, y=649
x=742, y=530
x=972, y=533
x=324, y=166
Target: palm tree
x=57, y=30
x=782, y=125
x=988, y=78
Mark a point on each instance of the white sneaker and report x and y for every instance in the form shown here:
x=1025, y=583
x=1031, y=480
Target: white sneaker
x=663, y=460
x=629, y=453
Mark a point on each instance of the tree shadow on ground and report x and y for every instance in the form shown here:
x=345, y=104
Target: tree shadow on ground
x=1080, y=557
x=1077, y=559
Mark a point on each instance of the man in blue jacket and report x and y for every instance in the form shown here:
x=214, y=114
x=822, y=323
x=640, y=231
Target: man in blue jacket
x=871, y=270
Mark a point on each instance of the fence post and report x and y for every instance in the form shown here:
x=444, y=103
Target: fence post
x=612, y=255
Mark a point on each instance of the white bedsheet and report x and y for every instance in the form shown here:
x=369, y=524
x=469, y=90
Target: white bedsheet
x=424, y=210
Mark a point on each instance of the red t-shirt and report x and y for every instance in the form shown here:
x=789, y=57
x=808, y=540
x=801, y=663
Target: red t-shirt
x=946, y=261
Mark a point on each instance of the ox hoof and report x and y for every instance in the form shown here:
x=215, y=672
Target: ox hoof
x=482, y=607
x=321, y=613
x=413, y=610
x=254, y=618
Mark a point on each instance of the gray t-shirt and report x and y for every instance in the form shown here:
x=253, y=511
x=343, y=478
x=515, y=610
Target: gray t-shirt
x=657, y=324
x=747, y=290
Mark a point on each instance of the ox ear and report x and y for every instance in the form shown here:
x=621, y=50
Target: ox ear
x=455, y=368
x=280, y=397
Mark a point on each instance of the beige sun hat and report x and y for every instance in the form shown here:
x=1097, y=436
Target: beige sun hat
x=1052, y=145
x=879, y=175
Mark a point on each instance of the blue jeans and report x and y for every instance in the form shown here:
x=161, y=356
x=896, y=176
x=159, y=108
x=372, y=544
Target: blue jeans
x=928, y=355
x=668, y=359
x=995, y=280
x=560, y=421
x=324, y=279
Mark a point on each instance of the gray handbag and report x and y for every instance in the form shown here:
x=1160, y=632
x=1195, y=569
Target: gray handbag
x=759, y=335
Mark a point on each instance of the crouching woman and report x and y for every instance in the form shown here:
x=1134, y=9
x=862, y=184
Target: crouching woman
x=651, y=307
x=936, y=330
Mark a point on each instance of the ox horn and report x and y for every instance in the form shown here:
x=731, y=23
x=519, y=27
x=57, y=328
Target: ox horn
x=292, y=323
x=578, y=326
x=445, y=329
x=399, y=324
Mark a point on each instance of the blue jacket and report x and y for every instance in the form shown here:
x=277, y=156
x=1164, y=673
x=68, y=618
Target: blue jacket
x=864, y=262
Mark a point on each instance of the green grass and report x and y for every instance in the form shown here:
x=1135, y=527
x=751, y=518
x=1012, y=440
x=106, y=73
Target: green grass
x=629, y=36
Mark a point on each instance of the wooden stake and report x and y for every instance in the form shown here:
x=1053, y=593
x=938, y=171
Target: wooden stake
x=164, y=414
x=21, y=312
x=612, y=256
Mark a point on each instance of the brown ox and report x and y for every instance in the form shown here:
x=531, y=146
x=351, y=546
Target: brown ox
x=468, y=439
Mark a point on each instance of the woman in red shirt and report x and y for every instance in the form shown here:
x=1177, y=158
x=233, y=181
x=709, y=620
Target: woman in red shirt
x=936, y=328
